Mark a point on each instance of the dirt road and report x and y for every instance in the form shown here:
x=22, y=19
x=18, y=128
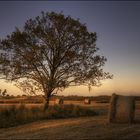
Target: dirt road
x=76, y=128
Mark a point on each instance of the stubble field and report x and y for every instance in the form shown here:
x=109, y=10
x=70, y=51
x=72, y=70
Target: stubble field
x=96, y=127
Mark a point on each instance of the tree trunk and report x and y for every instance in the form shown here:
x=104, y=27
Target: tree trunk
x=46, y=104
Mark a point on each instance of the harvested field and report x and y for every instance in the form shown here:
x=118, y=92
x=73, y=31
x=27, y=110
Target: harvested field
x=96, y=127
x=80, y=128
x=81, y=103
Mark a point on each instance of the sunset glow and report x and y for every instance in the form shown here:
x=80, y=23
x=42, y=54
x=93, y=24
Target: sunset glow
x=118, y=36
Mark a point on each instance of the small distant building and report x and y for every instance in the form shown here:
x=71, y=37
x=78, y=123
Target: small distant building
x=122, y=109
x=59, y=101
x=87, y=101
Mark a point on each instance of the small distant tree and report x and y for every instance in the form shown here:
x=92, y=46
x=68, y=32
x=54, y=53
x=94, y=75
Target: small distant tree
x=51, y=53
x=4, y=92
x=7, y=95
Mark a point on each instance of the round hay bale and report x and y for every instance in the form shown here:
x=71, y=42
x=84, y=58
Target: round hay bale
x=87, y=101
x=112, y=108
x=122, y=109
x=59, y=101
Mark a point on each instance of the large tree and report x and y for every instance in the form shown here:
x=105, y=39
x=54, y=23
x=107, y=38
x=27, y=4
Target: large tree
x=50, y=53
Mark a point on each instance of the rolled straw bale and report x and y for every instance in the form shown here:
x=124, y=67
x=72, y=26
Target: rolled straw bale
x=112, y=107
x=59, y=101
x=87, y=101
x=122, y=109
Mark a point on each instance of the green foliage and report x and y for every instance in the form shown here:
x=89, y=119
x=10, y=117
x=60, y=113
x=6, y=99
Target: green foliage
x=16, y=115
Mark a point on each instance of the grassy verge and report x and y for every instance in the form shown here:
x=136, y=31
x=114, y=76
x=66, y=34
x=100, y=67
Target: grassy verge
x=13, y=115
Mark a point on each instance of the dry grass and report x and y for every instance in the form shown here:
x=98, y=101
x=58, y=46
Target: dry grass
x=96, y=127
x=16, y=115
x=80, y=128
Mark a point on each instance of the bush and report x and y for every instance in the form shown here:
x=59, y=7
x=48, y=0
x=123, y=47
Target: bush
x=16, y=115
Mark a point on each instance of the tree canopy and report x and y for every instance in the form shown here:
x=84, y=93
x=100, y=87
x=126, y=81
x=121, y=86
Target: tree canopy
x=50, y=53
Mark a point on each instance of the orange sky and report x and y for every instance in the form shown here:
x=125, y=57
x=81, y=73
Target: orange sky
x=118, y=85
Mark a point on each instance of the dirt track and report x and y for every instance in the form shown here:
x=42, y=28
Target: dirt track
x=76, y=128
